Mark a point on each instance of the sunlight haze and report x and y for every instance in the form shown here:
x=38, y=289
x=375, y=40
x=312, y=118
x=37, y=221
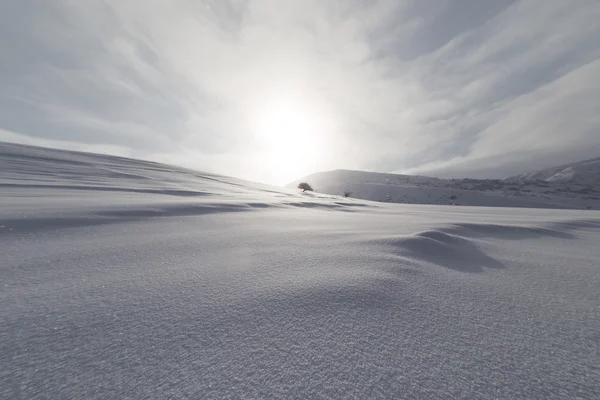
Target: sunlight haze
x=274, y=90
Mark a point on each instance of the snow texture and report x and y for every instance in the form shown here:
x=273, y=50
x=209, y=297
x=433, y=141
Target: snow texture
x=124, y=279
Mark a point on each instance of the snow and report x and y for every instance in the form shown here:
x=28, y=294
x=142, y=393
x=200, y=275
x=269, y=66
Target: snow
x=573, y=186
x=129, y=279
x=582, y=172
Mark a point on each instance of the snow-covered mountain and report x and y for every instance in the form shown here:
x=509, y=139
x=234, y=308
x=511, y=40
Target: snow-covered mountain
x=585, y=173
x=575, y=186
x=126, y=279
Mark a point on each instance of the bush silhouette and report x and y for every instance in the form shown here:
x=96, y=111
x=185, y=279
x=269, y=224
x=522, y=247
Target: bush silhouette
x=305, y=186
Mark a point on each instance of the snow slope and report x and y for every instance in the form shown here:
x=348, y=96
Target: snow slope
x=128, y=279
x=582, y=191
x=583, y=172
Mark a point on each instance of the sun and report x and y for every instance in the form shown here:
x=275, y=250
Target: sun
x=291, y=138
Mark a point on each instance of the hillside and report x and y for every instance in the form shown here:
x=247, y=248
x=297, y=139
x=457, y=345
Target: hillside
x=584, y=173
x=573, y=186
x=130, y=279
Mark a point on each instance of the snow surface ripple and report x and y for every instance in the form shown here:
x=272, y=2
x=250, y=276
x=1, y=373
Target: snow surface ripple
x=250, y=291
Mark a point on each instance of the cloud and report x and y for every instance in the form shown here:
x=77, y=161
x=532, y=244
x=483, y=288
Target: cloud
x=445, y=87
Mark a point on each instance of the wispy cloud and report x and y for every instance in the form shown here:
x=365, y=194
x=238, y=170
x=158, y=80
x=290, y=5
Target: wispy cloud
x=440, y=87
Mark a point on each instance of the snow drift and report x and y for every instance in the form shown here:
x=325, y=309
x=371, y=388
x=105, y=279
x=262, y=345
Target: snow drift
x=128, y=279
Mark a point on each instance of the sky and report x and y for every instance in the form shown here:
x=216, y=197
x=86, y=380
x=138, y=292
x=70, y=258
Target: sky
x=273, y=90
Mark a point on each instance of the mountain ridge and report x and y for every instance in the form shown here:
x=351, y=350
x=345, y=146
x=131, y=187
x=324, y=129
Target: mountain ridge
x=574, y=186
x=585, y=171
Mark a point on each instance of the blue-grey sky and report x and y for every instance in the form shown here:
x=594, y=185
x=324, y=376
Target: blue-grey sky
x=271, y=90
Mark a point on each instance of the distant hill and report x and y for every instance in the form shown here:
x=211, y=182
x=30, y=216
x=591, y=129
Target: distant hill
x=583, y=173
x=575, y=186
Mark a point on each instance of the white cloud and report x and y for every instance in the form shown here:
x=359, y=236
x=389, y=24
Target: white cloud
x=394, y=85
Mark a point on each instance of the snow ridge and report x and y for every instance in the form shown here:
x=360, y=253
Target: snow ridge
x=128, y=279
x=573, y=186
x=583, y=173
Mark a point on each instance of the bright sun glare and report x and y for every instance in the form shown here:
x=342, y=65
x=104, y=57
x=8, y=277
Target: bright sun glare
x=292, y=138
